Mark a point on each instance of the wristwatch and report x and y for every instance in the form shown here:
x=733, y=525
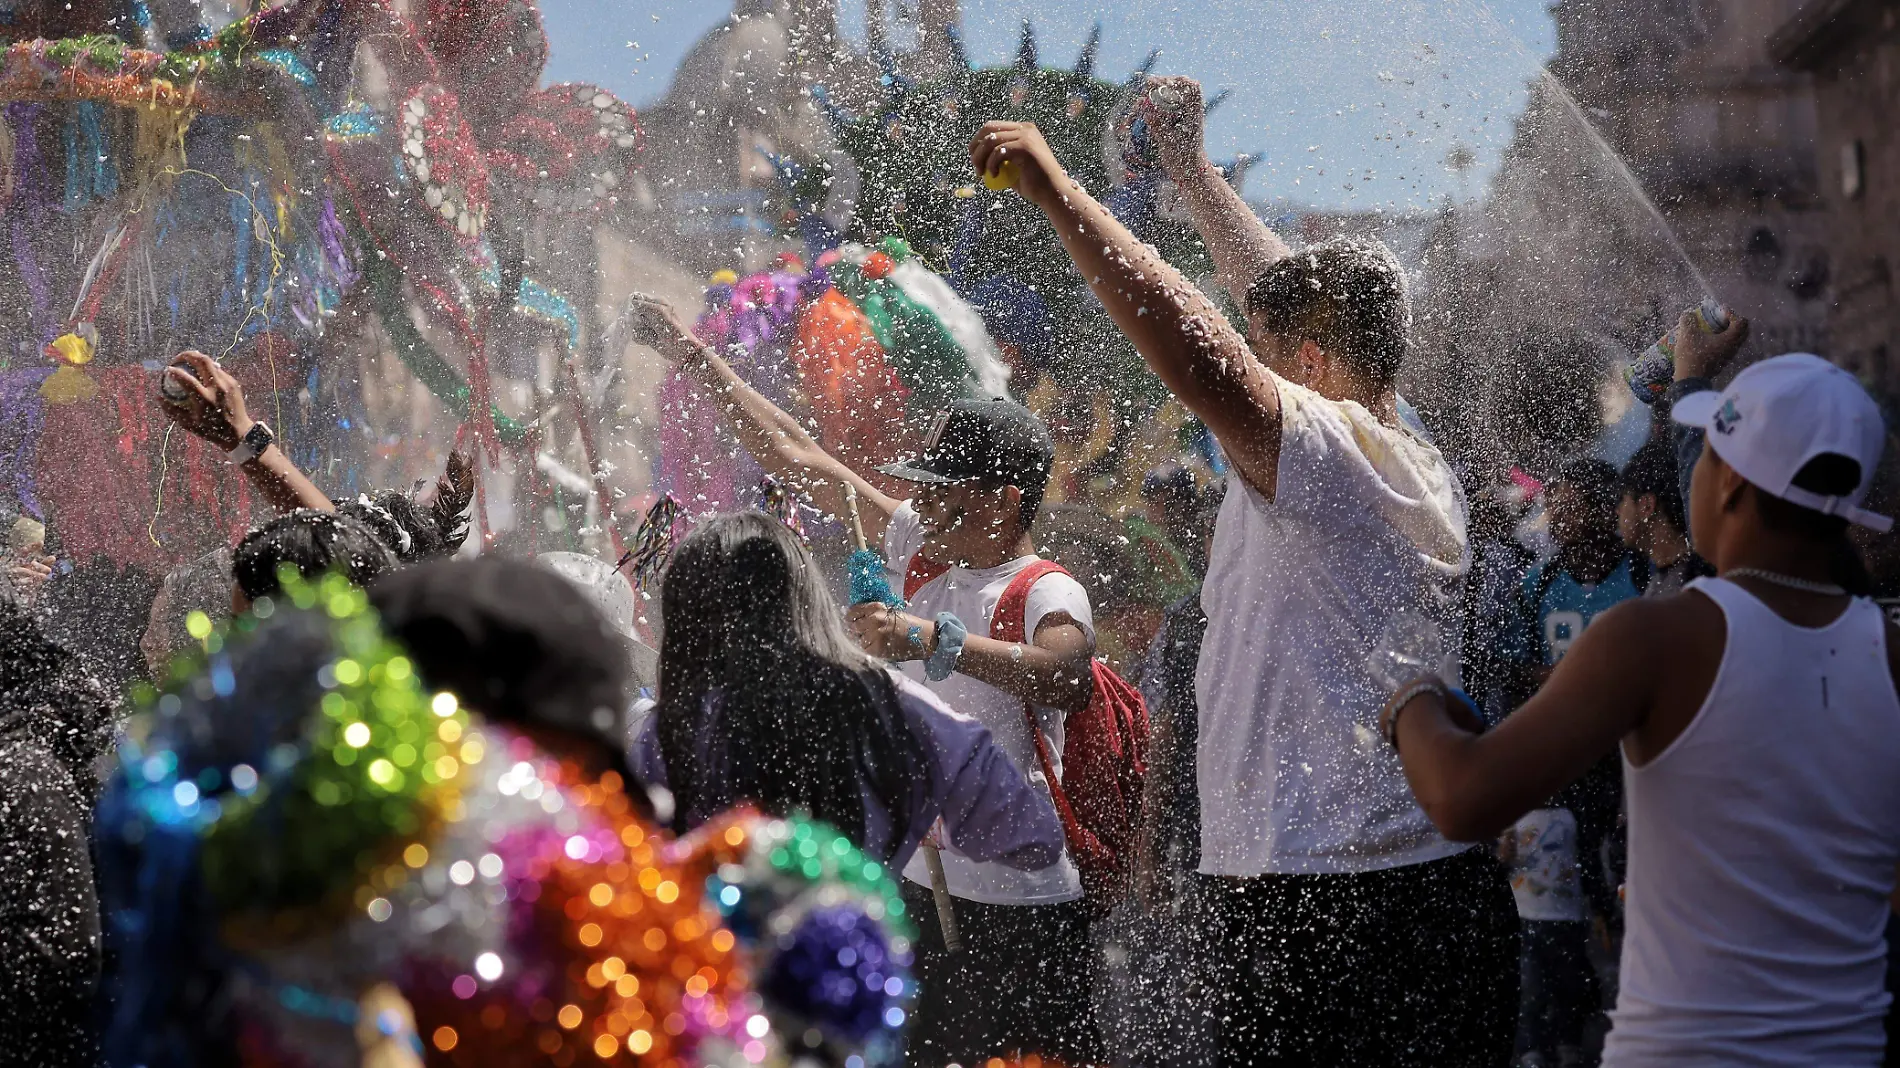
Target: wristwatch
x=252, y=445
x=943, y=661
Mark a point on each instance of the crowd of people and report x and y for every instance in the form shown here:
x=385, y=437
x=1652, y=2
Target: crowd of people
x=414, y=803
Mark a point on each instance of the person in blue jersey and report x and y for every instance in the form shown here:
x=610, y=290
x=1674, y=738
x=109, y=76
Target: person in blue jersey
x=1557, y=870
x=1590, y=571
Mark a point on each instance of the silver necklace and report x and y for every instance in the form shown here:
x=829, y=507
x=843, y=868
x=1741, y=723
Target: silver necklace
x=1825, y=589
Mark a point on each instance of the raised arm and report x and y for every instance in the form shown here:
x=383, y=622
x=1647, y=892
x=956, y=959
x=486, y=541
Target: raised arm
x=1241, y=244
x=786, y=450
x=1699, y=358
x=1190, y=345
x=212, y=407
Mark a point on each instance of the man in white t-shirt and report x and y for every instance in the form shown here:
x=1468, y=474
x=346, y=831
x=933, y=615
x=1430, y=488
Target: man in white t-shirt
x=1342, y=928
x=1023, y=978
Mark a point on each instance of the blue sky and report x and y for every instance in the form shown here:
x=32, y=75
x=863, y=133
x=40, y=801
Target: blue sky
x=1354, y=103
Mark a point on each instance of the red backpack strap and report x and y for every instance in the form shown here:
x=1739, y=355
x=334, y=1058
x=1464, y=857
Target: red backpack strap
x=1010, y=622
x=919, y=572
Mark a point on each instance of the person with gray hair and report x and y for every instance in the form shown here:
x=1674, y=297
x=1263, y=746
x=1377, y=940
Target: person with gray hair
x=1343, y=927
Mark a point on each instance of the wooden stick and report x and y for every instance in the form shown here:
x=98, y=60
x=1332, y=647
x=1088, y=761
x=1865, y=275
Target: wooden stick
x=933, y=857
x=940, y=892
x=851, y=506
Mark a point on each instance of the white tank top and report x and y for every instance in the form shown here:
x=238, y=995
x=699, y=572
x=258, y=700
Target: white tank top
x=1762, y=846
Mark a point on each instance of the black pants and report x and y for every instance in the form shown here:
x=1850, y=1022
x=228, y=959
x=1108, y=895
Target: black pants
x=1022, y=983
x=1407, y=966
x=1559, y=994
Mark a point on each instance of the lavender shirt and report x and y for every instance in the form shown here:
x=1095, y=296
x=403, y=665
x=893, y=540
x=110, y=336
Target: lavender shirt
x=989, y=810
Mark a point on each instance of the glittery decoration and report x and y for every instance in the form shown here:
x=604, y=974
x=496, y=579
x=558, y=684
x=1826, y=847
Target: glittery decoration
x=204, y=77
x=544, y=303
x=537, y=301
x=870, y=581
x=372, y=766
x=356, y=122
x=652, y=544
x=490, y=51
x=823, y=927
x=290, y=63
x=516, y=900
x=439, y=152
x=643, y=967
x=571, y=147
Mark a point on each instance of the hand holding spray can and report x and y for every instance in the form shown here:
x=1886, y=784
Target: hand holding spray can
x=1653, y=371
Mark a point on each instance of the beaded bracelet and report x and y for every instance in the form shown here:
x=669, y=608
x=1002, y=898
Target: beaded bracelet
x=1389, y=717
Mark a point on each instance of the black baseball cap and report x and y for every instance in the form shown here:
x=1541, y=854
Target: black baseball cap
x=994, y=441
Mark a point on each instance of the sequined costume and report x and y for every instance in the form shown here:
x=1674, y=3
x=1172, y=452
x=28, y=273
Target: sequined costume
x=276, y=851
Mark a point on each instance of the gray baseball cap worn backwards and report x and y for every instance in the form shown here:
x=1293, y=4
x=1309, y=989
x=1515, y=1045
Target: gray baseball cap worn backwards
x=997, y=442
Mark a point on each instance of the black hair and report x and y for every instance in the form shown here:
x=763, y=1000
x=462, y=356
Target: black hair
x=1031, y=503
x=100, y=611
x=314, y=543
x=1033, y=490
x=1830, y=475
x=1347, y=296
x=756, y=664
x=1595, y=479
x=1652, y=473
x=515, y=642
x=412, y=533
x=203, y=585
x=48, y=695
x=409, y=532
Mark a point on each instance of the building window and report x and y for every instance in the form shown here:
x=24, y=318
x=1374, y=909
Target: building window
x=1761, y=255
x=1853, y=169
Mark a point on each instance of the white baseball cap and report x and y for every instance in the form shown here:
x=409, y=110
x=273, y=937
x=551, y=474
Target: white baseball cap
x=610, y=591
x=1783, y=412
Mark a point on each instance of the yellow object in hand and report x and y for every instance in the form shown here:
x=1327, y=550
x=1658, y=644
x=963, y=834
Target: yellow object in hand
x=1006, y=176
x=74, y=349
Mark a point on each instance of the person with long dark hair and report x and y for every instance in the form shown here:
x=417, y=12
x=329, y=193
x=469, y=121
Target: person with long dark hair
x=764, y=697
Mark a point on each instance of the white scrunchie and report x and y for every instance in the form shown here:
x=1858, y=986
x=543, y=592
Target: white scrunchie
x=404, y=541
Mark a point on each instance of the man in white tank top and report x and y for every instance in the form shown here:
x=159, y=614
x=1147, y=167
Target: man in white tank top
x=1760, y=732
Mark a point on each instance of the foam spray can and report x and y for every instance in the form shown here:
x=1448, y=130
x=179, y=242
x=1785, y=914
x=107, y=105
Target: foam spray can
x=1653, y=371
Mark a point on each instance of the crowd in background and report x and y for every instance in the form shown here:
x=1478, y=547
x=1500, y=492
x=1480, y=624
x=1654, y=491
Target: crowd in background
x=1291, y=879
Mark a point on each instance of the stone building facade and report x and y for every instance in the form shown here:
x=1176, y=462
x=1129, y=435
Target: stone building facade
x=1851, y=48
x=1666, y=156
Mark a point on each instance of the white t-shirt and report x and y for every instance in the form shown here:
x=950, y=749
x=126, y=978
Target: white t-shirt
x=971, y=594
x=1366, y=521
x=1544, y=874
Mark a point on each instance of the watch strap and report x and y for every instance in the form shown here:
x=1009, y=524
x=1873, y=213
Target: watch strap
x=252, y=444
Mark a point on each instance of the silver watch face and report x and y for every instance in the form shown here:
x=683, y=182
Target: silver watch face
x=253, y=443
